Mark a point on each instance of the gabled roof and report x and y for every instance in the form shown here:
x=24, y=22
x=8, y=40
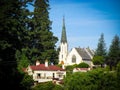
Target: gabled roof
x=90, y=51
x=43, y=68
x=83, y=53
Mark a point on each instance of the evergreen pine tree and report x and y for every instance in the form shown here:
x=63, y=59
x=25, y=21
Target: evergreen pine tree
x=42, y=39
x=114, y=52
x=101, y=48
x=100, y=52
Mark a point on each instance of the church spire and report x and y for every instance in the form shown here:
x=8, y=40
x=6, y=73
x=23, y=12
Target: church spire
x=63, y=36
x=63, y=45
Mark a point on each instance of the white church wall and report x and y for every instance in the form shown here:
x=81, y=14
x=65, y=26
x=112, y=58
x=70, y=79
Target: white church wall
x=70, y=55
x=63, y=52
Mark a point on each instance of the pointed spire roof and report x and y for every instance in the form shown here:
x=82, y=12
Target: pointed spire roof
x=63, y=36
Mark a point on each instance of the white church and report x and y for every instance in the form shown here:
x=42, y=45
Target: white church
x=76, y=55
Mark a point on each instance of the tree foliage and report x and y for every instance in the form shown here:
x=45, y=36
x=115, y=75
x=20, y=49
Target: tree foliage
x=22, y=60
x=93, y=80
x=83, y=65
x=98, y=60
x=69, y=69
x=100, y=53
x=114, y=52
x=48, y=86
x=101, y=47
x=24, y=37
x=27, y=82
x=42, y=39
x=12, y=31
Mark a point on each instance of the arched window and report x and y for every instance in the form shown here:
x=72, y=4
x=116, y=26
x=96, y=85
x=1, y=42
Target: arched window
x=73, y=59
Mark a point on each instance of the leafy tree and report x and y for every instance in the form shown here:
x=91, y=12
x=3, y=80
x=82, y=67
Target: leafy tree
x=97, y=79
x=44, y=86
x=12, y=32
x=27, y=82
x=22, y=60
x=59, y=65
x=69, y=69
x=9, y=41
x=98, y=60
x=114, y=52
x=101, y=50
x=80, y=81
x=58, y=87
x=48, y=86
x=108, y=81
x=83, y=65
x=118, y=75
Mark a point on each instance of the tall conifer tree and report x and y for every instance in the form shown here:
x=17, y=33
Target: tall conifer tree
x=100, y=53
x=43, y=41
x=114, y=52
x=101, y=48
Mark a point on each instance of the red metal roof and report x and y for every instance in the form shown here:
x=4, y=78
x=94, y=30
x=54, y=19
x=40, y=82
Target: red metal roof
x=49, y=68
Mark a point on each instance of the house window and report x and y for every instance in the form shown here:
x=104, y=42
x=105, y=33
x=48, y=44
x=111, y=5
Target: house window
x=62, y=56
x=44, y=75
x=73, y=59
x=53, y=75
x=38, y=75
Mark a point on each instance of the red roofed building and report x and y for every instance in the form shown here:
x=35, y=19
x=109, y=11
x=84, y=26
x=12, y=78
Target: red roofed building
x=45, y=72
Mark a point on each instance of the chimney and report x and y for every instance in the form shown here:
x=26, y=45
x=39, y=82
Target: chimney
x=37, y=62
x=46, y=63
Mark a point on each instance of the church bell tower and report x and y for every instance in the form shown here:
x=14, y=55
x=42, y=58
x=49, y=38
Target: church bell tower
x=63, y=45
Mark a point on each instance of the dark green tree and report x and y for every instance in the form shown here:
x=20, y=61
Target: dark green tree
x=98, y=60
x=97, y=79
x=22, y=60
x=27, y=82
x=101, y=49
x=58, y=87
x=83, y=65
x=42, y=39
x=12, y=32
x=44, y=86
x=69, y=69
x=118, y=75
x=48, y=86
x=114, y=52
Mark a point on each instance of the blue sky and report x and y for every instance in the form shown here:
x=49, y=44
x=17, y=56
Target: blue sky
x=85, y=20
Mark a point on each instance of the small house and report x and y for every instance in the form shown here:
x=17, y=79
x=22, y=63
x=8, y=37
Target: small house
x=45, y=72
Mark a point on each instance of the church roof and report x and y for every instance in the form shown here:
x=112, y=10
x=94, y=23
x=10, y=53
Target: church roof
x=82, y=52
x=90, y=51
x=63, y=36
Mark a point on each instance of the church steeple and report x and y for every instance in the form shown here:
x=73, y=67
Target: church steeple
x=63, y=46
x=63, y=36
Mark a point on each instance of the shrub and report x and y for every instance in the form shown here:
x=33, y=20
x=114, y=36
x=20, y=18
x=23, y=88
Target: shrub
x=83, y=65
